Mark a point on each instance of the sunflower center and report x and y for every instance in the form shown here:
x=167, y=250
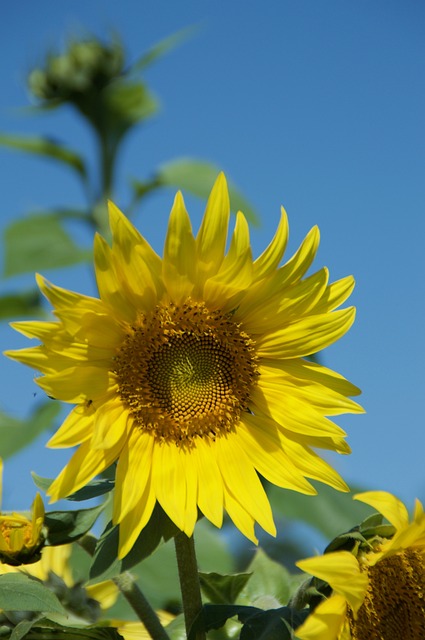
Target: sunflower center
x=394, y=606
x=184, y=371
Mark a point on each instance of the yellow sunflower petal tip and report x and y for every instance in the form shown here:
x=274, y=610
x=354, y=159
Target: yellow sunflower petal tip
x=175, y=367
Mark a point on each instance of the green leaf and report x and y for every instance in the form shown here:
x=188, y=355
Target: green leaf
x=161, y=48
x=270, y=579
x=18, y=592
x=46, y=147
x=37, y=243
x=223, y=589
x=274, y=624
x=197, y=177
x=330, y=512
x=17, y=434
x=24, y=304
x=67, y=526
x=22, y=628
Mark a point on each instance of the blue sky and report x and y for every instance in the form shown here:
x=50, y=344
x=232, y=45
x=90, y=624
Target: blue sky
x=316, y=105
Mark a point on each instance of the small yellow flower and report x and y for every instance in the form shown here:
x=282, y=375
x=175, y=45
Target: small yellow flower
x=21, y=537
x=378, y=590
x=190, y=371
x=137, y=630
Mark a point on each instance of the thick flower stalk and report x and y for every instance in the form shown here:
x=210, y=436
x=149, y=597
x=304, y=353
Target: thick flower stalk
x=377, y=590
x=190, y=371
x=21, y=536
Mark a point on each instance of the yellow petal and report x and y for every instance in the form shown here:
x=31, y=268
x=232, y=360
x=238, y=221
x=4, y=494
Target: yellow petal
x=261, y=442
x=212, y=235
x=391, y=507
x=235, y=273
x=75, y=429
x=326, y=622
x=307, y=336
x=85, y=464
x=270, y=258
x=210, y=483
x=135, y=461
x=341, y=570
x=179, y=264
x=242, y=481
x=134, y=521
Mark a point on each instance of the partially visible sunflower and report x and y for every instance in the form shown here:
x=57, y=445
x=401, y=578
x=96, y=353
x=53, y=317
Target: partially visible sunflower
x=377, y=590
x=190, y=372
x=21, y=536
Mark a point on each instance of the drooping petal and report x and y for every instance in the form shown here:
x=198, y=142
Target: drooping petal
x=135, y=461
x=240, y=477
x=326, y=622
x=342, y=571
x=391, y=507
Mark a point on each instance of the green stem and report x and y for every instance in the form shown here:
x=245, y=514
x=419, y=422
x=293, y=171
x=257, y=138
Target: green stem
x=189, y=580
x=141, y=606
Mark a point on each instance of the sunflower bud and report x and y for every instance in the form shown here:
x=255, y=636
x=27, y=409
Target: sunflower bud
x=86, y=67
x=22, y=538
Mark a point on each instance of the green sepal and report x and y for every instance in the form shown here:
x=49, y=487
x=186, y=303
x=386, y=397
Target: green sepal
x=346, y=541
x=92, y=489
x=67, y=526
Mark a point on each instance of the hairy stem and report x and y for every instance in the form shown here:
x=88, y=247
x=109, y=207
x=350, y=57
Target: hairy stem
x=189, y=580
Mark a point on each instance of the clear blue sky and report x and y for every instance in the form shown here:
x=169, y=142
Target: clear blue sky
x=317, y=105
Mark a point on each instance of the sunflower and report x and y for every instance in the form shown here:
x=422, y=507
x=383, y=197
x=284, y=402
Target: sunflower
x=377, y=590
x=21, y=537
x=190, y=371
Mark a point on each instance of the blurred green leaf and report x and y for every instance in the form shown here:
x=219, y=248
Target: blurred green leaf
x=18, y=592
x=67, y=526
x=223, y=589
x=16, y=434
x=330, y=512
x=197, y=177
x=128, y=103
x=22, y=628
x=160, y=49
x=43, y=146
x=23, y=304
x=105, y=562
x=177, y=628
x=269, y=579
x=46, y=629
x=39, y=242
